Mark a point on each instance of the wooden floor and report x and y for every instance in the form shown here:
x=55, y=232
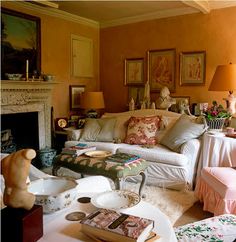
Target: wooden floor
x=193, y=214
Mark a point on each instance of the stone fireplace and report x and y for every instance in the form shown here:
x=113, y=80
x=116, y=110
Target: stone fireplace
x=26, y=97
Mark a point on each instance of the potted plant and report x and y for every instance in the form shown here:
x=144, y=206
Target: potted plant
x=215, y=116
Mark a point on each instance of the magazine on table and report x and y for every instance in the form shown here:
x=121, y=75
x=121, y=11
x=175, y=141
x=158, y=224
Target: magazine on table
x=78, y=149
x=123, y=158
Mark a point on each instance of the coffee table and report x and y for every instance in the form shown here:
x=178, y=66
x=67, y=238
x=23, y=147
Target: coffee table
x=57, y=228
x=97, y=166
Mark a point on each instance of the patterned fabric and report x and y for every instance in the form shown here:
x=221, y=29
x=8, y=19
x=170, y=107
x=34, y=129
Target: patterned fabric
x=219, y=229
x=142, y=130
x=94, y=166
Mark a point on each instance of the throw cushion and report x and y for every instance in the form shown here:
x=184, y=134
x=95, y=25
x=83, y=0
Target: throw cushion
x=184, y=129
x=142, y=130
x=98, y=130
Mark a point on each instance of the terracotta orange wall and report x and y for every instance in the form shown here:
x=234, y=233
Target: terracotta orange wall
x=55, y=55
x=215, y=33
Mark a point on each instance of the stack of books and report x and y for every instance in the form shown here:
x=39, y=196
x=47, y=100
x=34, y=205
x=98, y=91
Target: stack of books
x=78, y=149
x=125, y=159
x=113, y=226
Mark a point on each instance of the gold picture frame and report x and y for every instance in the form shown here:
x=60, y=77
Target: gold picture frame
x=161, y=69
x=75, y=92
x=192, y=68
x=134, y=71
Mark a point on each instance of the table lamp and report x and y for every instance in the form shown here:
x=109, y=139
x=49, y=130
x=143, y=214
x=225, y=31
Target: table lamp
x=224, y=79
x=92, y=101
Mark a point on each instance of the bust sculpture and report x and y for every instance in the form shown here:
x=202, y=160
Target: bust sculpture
x=15, y=170
x=165, y=100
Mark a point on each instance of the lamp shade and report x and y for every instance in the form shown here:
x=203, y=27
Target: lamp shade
x=92, y=100
x=224, y=78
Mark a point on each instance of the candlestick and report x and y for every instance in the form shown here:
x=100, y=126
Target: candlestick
x=27, y=70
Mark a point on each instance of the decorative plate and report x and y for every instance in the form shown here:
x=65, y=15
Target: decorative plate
x=116, y=199
x=98, y=153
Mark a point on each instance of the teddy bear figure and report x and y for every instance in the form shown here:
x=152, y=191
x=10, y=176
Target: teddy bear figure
x=15, y=170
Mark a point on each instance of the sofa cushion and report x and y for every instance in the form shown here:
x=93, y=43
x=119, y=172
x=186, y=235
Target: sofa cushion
x=184, y=129
x=142, y=130
x=156, y=154
x=99, y=130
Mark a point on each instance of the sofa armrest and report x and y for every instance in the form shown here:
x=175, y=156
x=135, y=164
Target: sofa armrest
x=74, y=134
x=191, y=149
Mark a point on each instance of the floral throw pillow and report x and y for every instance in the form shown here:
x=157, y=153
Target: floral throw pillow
x=142, y=130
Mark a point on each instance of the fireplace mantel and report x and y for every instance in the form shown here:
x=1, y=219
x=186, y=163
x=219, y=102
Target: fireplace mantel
x=30, y=96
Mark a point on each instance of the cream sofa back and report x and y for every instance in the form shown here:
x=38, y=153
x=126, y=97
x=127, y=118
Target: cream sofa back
x=168, y=119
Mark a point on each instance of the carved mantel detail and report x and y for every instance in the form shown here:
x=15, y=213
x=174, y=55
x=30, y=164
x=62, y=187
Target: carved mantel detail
x=20, y=96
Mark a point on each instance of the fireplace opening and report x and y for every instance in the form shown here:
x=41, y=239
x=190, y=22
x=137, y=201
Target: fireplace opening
x=20, y=129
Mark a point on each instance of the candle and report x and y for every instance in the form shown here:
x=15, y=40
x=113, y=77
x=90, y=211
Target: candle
x=27, y=70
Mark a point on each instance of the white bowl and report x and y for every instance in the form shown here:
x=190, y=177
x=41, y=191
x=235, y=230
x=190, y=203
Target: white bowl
x=54, y=193
x=13, y=76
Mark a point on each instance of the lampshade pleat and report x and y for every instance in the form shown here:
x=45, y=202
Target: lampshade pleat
x=92, y=100
x=224, y=78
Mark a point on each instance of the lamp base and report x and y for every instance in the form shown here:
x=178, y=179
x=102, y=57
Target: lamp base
x=92, y=114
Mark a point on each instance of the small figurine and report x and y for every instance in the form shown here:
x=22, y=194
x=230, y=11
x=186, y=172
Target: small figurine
x=230, y=102
x=131, y=105
x=165, y=100
x=15, y=170
x=153, y=105
x=184, y=107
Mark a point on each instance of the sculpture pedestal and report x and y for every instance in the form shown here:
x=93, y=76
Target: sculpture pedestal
x=20, y=225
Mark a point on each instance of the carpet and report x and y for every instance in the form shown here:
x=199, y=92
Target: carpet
x=172, y=203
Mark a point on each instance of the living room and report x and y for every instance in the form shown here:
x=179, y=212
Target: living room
x=213, y=32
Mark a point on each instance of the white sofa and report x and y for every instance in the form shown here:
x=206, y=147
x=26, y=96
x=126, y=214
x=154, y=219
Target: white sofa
x=167, y=168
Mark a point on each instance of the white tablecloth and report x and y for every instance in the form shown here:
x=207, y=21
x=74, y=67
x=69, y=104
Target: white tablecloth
x=217, y=151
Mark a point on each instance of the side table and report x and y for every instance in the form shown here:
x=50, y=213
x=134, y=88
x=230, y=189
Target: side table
x=94, y=166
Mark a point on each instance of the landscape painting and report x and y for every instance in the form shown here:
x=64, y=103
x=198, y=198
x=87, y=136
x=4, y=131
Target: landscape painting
x=20, y=41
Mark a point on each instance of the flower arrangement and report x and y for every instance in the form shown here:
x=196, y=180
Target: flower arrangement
x=216, y=111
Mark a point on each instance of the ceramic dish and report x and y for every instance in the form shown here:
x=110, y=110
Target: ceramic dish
x=98, y=153
x=15, y=77
x=54, y=193
x=116, y=199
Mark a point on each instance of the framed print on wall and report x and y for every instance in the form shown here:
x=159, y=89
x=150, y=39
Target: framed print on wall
x=20, y=36
x=134, y=71
x=192, y=68
x=161, y=69
x=75, y=96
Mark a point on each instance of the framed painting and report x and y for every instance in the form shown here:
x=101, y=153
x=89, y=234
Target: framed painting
x=75, y=96
x=134, y=71
x=192, y=68
x=20, y=37
x=161, y=69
